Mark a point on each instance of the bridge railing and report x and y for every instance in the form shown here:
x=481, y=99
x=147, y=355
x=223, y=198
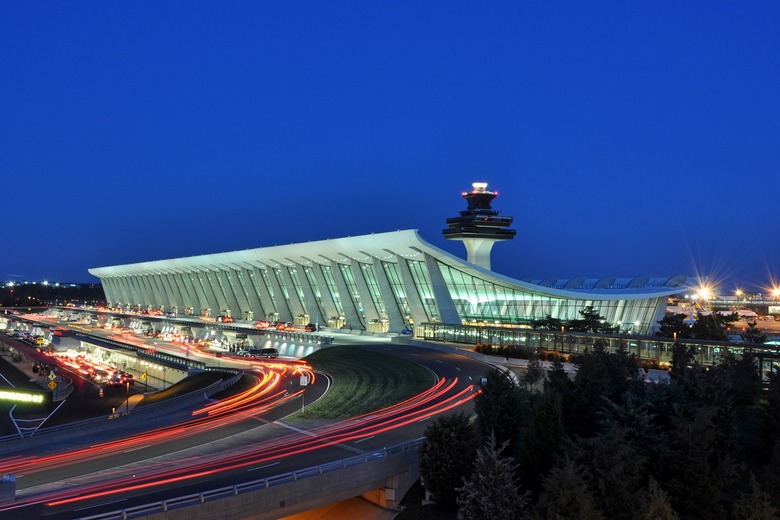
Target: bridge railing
x=254, y=485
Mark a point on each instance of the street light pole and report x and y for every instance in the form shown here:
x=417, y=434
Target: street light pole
x=127, y=397
x=562, y=337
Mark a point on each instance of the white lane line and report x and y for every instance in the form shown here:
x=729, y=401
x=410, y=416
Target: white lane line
x=262, y=467
x=361, y=440
x=138, y=448
x=99, y=505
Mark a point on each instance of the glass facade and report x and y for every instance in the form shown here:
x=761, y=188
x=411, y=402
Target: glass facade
x=334, y=293
x=422, y=283
x=315, y=290
x=346, y=273
x=373, y=289
x=397, y=286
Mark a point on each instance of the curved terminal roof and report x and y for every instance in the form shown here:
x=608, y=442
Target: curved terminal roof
x=407, y=244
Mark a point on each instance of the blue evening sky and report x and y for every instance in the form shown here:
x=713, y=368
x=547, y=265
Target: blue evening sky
x=626, y=138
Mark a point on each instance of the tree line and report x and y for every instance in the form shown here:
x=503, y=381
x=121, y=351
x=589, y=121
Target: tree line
x=713, y=326
x=604, y=444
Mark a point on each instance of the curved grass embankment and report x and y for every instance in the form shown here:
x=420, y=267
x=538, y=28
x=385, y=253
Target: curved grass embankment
x=363, y=381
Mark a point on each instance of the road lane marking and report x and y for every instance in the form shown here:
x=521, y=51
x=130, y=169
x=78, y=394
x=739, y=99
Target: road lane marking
x=100, y=505
x=263, y=467
x=361, y=440
x=138, y=448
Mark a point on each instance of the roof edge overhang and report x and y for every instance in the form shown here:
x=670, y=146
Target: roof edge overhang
x=405, y=243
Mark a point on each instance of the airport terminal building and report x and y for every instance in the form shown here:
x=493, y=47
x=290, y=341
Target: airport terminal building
x=383, y=282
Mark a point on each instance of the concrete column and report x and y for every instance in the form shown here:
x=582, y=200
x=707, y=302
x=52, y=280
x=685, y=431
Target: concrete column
x=191, y=278
x=253, y=301
x=369, y=309
x=175, y=290
x=127, y=290
x=447, y=311
x=295, y=303
x=110, y=289
x=412, y=296
x=167, y=292
x=225, y=290
x=312, y=308
x=209, y=279
x=139, y=291
x=267, y=303
x=282, y=306
x=328, y=304
x=243, y=290
x=150, y=296
x=189, y=296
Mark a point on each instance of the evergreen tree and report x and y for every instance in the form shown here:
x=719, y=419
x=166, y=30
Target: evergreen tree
x=557, y=379
x=614, y=471
x=770, y=475
x=713, y=326
x=500, y=409
x=544, y=440
x=548, y=322
x=672, y=324
x=752, y=334
x=447, y=457
x=698, y=469
x=491, y=491
x=534, y=373
x=755, y=505
x=601, y=376
x=682, y=358
x=739, y=378
x=565, y=494
x=655, y=504
x=590, y=321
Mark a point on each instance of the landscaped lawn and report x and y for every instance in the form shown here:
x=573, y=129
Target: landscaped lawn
x=363, y=381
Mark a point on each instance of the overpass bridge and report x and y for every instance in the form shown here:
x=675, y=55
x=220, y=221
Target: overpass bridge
x=382, y=477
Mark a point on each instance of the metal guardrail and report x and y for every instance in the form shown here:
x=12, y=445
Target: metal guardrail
x=254, y=485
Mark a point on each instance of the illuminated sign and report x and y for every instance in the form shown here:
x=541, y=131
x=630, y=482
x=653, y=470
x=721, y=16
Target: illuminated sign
x=21, y=397
x=774, y=309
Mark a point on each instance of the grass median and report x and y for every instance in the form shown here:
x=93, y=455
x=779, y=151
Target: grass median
x=363, y=381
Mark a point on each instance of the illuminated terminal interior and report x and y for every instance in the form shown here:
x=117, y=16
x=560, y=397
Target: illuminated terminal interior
x=382, y=282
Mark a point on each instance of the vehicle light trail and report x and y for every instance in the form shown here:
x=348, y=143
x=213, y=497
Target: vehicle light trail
x=270, y=451
x=254, y=401
x=187, y=469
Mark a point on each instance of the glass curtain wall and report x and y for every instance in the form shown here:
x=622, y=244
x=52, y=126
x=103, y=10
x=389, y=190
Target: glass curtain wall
x=334, y=293
x=397, y=286
x=349, y=279
x=481, y=301
x=315, y=290
x=422, y=282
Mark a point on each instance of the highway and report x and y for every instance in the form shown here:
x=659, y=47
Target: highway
x=245, y=443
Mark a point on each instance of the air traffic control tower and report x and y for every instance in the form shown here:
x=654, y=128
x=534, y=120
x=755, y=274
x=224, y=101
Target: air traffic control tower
x=479, y=226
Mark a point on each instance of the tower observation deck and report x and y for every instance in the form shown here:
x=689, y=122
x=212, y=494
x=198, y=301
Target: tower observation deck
x=479, y=226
